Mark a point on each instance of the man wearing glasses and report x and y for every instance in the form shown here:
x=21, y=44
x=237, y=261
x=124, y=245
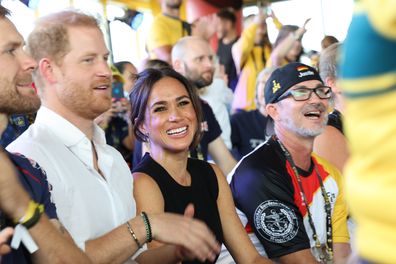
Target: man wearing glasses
x=290, y=200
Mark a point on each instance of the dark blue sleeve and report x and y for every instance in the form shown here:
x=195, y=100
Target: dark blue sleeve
x=34, y=180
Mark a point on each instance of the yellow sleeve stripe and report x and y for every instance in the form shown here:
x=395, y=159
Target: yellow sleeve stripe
x=358, y=88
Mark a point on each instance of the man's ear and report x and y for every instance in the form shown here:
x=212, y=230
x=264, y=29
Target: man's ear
x=178, y=66
x=272, y=111
x=330, y=81
x=46, y=69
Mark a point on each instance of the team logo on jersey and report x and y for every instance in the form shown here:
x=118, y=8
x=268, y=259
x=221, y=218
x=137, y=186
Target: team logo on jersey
x=275, y=221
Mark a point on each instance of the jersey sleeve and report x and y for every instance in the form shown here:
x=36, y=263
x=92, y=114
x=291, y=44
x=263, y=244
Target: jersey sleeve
x=33, y=178
x=50, y=208
x=265, y=196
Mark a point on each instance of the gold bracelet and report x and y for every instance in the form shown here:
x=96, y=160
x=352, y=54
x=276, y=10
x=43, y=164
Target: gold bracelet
x=133, y=235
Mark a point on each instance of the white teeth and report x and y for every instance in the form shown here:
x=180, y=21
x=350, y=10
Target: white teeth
x=102, y=87
x=176, y=130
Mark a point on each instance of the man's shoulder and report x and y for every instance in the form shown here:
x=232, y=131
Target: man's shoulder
x=261, y=160
x=34, y=138
x=31, y=175
x=328, y=167
x=161, y=20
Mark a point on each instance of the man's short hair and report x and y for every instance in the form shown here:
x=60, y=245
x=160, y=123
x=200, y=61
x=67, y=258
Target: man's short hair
x=328, y=61
x=227, y=14
x=50, y=36
x=180, y=49
x=4, y=11
x=327, y=41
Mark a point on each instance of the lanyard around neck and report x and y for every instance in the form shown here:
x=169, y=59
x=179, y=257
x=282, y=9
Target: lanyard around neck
x=329, y=227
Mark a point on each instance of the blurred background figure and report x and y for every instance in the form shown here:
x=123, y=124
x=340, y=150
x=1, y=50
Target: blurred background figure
x=167, y=28
x=287, y=46
x=128, y=72
x=327, y=41
x=245, y=140
x=251, y=53
x=227, y=35
x=115, y=121
x=332, y=143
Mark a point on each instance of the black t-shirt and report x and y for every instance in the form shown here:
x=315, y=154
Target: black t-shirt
x=335, y=120
x=211, y=131
x=225, y=58
x=248, y=130
x=262, y=188
x=203, y=192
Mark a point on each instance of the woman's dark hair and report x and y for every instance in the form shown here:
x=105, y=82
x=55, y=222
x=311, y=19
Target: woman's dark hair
x=157, y=64
x=140, y=94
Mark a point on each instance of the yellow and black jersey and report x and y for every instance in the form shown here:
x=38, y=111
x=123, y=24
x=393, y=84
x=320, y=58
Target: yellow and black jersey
x=269, y=202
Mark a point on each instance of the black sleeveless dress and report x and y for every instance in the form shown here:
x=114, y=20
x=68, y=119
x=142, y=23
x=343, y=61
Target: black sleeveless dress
x=203, y=192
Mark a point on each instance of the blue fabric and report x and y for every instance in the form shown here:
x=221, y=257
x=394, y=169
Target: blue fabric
x=16, y=126
x=354, y=63
x=34, y=180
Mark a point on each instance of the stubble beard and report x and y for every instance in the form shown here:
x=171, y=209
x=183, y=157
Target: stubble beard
x=13, y=102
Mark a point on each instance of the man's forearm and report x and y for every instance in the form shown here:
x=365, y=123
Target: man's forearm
x=118, y=245
x=55, y=245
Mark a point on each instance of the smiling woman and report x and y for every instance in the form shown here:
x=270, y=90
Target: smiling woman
x=165, y=113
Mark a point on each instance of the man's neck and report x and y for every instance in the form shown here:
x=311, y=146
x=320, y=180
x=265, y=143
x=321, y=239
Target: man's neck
x=300, y=148
x=85, y=125
x=230, y=37
x=3, y=123
x=202, y=91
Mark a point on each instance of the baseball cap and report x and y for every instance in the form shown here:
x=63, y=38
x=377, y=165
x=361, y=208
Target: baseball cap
x=285, y=77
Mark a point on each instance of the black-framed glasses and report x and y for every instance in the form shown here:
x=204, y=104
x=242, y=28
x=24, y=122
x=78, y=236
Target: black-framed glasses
x=303, y=94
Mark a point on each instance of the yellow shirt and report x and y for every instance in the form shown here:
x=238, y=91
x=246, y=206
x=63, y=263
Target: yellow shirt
x=164, y=31
x=253, y=60
x=368, y=79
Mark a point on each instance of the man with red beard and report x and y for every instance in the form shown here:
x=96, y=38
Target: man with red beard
x=92, y=184
x=25, y=207
x=290, y=200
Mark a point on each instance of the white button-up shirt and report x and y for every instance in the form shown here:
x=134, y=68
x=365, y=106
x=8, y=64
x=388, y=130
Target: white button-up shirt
x=88, y=204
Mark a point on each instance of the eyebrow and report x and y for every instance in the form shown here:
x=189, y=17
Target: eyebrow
x=178, y=99
x=14, y=44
